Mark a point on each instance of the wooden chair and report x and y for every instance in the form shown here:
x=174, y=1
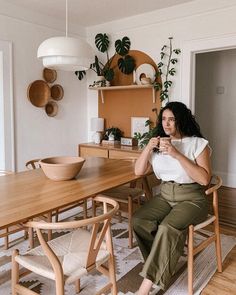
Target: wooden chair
x=32, y=164
x=129, y=198
x=215, y=237
x=83, y=251
x=11, y=229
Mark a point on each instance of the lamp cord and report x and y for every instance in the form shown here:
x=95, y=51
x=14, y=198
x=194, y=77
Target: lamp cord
x=66, y=18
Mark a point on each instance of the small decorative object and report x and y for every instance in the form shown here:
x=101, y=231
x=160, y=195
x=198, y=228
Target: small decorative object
x=51, y=108
x=145, y=71
x=57, y=92
x=166, y=69
x=114, y=133
x=61, y=168
x=128, y=141
x=39, y=93
x=126, y=63
x=138, y=125
x=146, y=81
x=97, y=125
x=110, y=142
x=49, y=75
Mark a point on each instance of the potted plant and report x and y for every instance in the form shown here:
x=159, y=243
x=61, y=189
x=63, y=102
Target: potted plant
x=113, y=133
x=126, y=63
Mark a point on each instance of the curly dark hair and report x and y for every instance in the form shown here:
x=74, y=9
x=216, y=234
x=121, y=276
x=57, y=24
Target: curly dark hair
x=184, y=120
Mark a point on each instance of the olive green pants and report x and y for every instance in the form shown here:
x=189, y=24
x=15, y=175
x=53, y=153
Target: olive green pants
x=160, y=227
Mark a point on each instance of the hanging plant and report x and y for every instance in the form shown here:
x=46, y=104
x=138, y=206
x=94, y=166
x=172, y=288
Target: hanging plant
x=166, y=70
x=125, y=63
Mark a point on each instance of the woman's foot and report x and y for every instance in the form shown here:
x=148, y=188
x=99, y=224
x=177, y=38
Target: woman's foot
x=145, y=287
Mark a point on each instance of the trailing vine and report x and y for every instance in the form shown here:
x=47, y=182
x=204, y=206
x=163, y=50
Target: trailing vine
x=166, y=69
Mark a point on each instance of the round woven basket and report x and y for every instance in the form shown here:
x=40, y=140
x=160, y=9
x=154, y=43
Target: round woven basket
x=49, y=75
x=51, y=108
x=57, y=92
x=39, y=93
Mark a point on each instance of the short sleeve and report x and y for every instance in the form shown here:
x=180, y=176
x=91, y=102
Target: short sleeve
x=200, y=144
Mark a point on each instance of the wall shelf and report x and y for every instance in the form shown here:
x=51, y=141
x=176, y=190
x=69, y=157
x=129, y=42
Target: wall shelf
x=126, y=87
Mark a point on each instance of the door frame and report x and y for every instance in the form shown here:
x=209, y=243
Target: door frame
x=6, y=107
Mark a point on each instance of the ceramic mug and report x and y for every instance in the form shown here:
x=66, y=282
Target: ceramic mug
x=163, y=140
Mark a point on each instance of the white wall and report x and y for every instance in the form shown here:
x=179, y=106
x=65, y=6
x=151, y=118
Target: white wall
x=215, y=108
x=36, y=134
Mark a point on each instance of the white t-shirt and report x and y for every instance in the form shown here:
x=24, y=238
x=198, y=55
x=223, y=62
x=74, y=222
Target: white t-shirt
x=167, y=168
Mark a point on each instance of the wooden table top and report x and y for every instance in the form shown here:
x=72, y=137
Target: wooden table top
x=30, y=193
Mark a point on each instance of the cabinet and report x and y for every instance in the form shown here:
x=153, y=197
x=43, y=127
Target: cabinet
x=107, y=151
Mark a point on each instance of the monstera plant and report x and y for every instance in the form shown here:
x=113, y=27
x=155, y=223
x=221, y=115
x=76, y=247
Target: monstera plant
x=125, y=63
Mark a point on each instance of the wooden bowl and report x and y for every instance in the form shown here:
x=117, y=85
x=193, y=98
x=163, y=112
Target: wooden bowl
x=39, y=93
x=57, y=92
x=61, y=168
x=49, y=75
x=51, y=108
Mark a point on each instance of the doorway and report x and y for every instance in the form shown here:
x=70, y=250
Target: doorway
x=215, y=105
x=213, y=114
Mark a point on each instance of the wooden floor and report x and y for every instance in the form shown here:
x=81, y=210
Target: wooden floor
x=224, y=283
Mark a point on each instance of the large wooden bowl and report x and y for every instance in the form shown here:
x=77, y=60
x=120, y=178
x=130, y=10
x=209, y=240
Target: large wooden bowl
x=61, y=168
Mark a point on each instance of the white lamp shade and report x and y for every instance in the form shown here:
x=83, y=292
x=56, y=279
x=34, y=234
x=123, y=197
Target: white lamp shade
x=66, y=53
x=97, y=124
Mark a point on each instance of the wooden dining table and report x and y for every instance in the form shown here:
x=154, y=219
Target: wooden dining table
x=27, y=194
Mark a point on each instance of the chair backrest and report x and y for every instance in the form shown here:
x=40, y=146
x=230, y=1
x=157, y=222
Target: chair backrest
x=32, y=164
x=5, y=172
x=212, y=189
x=100, y=230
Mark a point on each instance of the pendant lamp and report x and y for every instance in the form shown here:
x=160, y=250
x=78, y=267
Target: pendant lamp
x=66, y=53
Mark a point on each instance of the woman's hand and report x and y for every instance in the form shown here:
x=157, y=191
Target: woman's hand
x=168, y=149
x=153, y=143
x=142, y=165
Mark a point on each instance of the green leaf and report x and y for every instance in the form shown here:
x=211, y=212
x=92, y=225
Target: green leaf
x=109, y=74
x=102, y=42
x=167, y=84
x=160, y=64
x=163, y=47
x=174, y=60
x=172, y=72
x=177, y=51
x=157, y=86
x=126, y=64
x=162, y=55
x=80, y=74
x=122, y=46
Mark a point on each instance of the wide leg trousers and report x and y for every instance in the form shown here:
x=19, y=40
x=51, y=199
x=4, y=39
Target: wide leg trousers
x=161, y=225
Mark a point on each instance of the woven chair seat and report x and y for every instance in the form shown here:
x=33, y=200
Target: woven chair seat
x=71, y=250
x=123, y=192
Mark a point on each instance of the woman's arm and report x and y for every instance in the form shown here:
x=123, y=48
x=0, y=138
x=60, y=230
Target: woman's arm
x=200, y=171
x=142, y=165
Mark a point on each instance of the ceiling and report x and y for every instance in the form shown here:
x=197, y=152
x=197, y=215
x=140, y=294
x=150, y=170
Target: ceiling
x=93, y=12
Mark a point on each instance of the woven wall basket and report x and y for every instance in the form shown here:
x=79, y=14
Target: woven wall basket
x=39, y=93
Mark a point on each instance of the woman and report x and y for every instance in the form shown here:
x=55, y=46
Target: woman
x=161, y=224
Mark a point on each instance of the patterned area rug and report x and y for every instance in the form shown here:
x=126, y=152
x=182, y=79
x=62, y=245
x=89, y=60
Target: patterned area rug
x=128, y=266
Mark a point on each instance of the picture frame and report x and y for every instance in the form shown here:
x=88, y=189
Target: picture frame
x=138, y=125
